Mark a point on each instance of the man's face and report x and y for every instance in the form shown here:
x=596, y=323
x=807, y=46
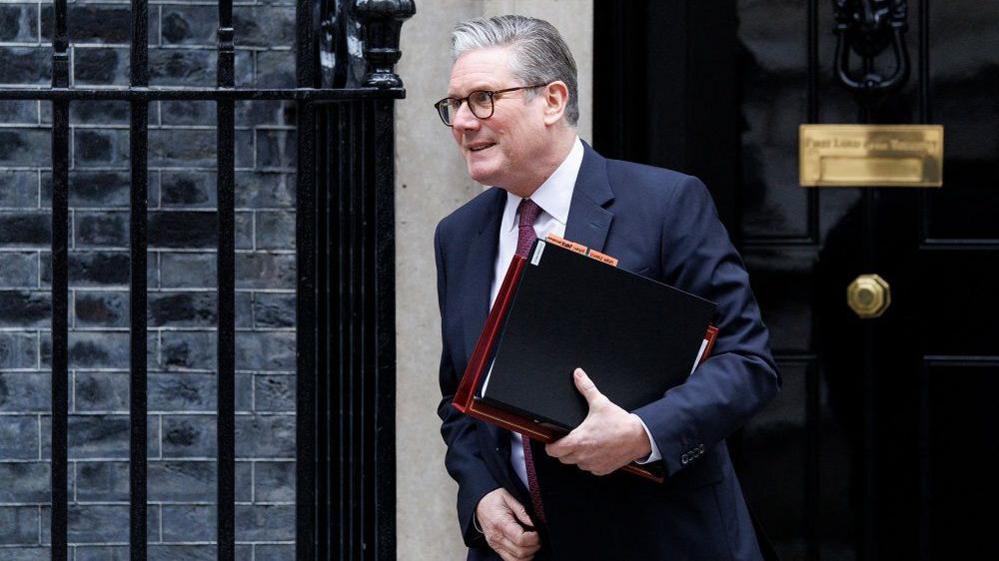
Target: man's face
x=498, y=150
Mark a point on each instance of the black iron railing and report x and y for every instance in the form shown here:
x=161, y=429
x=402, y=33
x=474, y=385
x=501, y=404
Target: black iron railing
x=345, y=321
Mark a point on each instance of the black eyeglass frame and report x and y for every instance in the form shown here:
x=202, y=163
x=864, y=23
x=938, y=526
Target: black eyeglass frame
x=442, y=105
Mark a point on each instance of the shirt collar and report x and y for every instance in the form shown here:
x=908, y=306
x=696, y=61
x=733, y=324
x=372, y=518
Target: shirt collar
x=554, y=195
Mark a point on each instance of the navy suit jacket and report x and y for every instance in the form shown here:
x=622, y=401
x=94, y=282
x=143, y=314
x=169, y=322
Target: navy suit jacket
x=661, y=224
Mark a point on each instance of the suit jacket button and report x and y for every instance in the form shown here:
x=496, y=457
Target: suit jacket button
x=684, y=459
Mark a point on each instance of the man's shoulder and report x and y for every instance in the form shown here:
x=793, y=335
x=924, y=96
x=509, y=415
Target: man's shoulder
x=470, y=216
x=647, y=177
x=653, y=187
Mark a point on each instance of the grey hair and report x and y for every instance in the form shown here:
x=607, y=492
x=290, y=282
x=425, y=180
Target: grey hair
x=539, y=54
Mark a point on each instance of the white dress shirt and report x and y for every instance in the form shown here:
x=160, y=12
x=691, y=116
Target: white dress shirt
x=554, y=197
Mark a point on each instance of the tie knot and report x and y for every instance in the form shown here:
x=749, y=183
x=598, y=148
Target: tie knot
x=528, y=211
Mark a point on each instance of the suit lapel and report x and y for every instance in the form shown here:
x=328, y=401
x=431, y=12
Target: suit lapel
x=479, y=273
x=589, y=222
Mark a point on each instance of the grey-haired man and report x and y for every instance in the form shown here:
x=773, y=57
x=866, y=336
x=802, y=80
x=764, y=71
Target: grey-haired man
x=512, y=109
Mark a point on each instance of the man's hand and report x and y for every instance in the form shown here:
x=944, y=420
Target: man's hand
x=609, y=438
x=502, y=519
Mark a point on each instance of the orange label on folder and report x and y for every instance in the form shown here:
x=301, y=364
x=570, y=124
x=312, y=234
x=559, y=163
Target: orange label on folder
x=603, y=258
x=573, y=246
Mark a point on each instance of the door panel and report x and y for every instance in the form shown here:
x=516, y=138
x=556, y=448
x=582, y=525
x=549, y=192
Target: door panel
x=958, y=390
x=866, y=434
x=866, y=454
x=773, y=71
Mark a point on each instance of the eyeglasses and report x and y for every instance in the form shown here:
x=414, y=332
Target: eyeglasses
x=480, y=102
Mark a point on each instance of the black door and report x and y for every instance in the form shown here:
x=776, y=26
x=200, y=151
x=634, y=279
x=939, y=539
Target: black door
x=884, y=442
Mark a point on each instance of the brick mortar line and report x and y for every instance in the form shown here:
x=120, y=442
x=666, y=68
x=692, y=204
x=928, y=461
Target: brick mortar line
x=125, y=544
x=156, y=503
x=165, y=290
x=206, y=413
x=239, y=251
x=39, y=423
x=165, y=210
x=47, y=210
x=278, y=459
x=171, y=329
x=115, y=126
x=46, y=371
x=46, y=44
x=162, y=412
x=180, y=371
x=13, y=248
x=120, y=370
x=176, y=169
x=203, y=460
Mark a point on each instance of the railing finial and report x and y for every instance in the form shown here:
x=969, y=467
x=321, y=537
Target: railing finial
x=381, y=21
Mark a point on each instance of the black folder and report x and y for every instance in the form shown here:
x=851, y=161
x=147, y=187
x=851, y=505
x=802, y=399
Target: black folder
x=635, y=337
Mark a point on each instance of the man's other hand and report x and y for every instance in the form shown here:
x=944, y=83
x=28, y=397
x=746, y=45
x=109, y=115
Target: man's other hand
x=609, y=438
x=502, y=519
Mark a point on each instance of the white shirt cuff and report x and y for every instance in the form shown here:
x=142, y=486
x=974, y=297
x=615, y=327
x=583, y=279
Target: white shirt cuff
x=654, y=456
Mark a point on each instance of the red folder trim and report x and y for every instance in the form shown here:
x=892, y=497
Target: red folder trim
x=711, y=335
x=464, y=398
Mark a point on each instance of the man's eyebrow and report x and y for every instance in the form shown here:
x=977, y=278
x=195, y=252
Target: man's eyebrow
x=476, y=88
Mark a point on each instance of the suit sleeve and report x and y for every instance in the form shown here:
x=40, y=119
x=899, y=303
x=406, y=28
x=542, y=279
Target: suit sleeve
x=463, y=458
x=740, y=376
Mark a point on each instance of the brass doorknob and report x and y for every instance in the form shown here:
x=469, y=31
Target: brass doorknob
x=869, y=296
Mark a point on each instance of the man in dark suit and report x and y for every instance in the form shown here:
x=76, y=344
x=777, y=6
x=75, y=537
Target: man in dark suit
x=512, y=109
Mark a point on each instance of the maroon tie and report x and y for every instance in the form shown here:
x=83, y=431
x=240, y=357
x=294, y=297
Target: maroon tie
x=529, y=211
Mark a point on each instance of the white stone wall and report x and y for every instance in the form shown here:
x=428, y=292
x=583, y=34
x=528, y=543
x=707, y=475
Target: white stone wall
x=431, y=182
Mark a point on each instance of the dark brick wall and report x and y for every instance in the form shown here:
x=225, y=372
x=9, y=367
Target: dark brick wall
x=181, y=275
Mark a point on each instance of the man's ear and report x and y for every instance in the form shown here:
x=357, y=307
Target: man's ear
x=556, y=98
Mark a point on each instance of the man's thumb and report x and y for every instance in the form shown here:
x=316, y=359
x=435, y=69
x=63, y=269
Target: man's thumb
x=520, y=512
x=586, y=386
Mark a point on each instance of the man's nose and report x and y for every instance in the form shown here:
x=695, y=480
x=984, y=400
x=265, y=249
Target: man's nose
x=463, y=118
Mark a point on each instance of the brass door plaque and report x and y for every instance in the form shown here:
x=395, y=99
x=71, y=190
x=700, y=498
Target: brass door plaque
x=871, y=155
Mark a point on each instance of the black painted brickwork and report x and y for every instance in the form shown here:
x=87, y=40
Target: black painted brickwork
x=181, y=276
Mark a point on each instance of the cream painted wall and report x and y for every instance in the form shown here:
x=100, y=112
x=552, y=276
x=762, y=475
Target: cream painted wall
x=431, y=182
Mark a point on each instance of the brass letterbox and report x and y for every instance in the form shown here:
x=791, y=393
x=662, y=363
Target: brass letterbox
x=871, y=155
